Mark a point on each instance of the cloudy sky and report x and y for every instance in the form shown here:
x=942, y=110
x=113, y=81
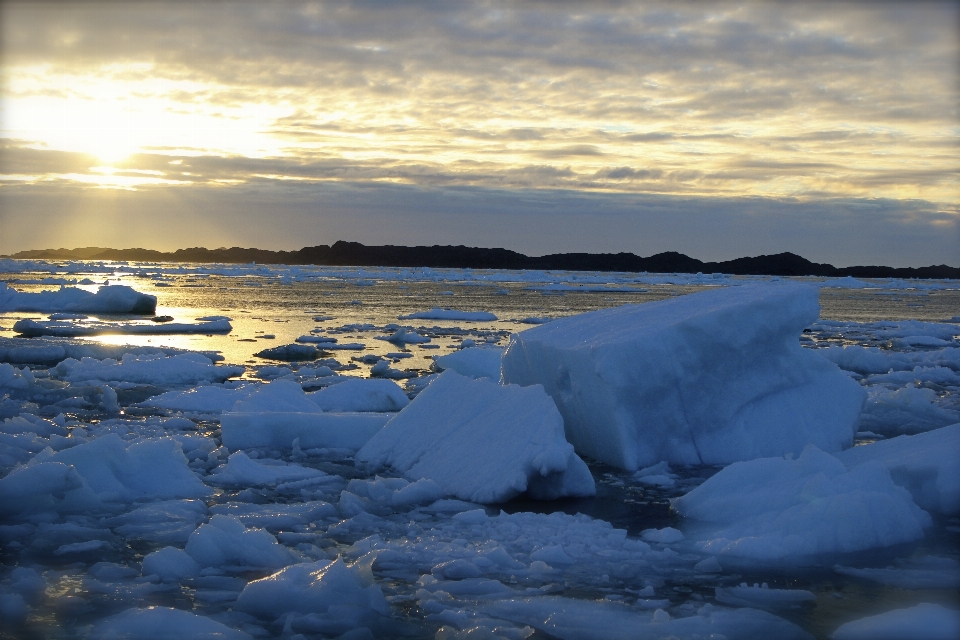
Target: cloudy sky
x=719, y=130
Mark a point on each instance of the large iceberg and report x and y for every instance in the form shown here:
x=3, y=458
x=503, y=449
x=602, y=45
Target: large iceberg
x=482, y=442
x=708, y=378
x=112, y=299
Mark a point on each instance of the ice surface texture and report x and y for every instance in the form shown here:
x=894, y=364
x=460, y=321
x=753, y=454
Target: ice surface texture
x=482, y=442
x=114, y=299
x=707, y=378
x=922, y=622
x=927, y=464
x=774, y=508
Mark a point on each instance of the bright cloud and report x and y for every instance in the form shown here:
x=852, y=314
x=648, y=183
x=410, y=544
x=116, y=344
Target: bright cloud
x=758, y=100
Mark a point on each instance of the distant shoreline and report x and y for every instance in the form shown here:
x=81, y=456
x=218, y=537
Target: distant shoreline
x=460, y=257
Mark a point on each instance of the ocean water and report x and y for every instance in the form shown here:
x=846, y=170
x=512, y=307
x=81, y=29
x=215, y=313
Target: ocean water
x=272, y=306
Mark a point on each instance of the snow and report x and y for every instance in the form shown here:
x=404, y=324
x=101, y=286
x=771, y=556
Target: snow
x=925, y=464
x=163, y=623
x=708, y=378
x=33, y=328
x=481, y=442
x=922, y=622
x=771, y=509
x=475, y=362
x=357, y=394
x=437, y=313
x=112, y=299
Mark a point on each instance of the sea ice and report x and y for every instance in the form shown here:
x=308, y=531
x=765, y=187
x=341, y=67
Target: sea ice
x=112, y=299
x=205, y=399
x=336, y=597
x=108, y=470
x=908, y=409
x=763, y=597
x=225, y=542
x=922, y=622
x=290, y=353
x=34, y=328
x=570, y=619
x=774, y=508
x=186, y=368
x=358, y=394
x=437, y=313
x=404, y=336
x=705, y=378
x=241, y=471
x=482, y=442
x=475, y=362
x=170, y=565
x=925, y=464
x=311, y=430
x=163, y=623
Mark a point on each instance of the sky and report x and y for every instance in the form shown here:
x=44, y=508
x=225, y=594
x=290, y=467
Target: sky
x=719, y=130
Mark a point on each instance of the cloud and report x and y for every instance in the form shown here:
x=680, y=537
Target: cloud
x=700, y=102
x=270, y=215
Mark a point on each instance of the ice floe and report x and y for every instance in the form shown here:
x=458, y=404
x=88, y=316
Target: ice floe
x=482, y=442
x=707, y=378
x=77, y=329
x=926, y=464
x=437, y=313
x=475, y=362
x=112, y=299
x=771, y=509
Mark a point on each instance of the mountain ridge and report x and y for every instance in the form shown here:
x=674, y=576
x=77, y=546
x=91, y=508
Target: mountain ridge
x=343, y=253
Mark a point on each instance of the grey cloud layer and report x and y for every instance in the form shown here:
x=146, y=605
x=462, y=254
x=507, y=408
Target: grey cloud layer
x=783, y=104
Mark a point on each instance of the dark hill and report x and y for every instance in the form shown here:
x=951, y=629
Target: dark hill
x=461, y=257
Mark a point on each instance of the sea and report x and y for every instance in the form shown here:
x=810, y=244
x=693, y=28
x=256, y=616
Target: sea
x=273, y=305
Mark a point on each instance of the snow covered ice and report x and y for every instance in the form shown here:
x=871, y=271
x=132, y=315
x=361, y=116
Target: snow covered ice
x=182, y=486
x=709, y=378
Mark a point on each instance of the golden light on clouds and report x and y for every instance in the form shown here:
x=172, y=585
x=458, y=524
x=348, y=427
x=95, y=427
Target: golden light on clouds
x=748, y=100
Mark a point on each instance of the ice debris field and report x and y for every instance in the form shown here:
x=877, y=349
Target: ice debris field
x=252, y=451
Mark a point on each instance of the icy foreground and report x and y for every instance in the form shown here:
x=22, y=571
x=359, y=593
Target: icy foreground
x=482, y=442
x=146, y=492
x=707, y=378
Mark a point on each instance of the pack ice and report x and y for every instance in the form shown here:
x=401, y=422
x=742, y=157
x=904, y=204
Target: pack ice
x=707, y=378
x=482, y=442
